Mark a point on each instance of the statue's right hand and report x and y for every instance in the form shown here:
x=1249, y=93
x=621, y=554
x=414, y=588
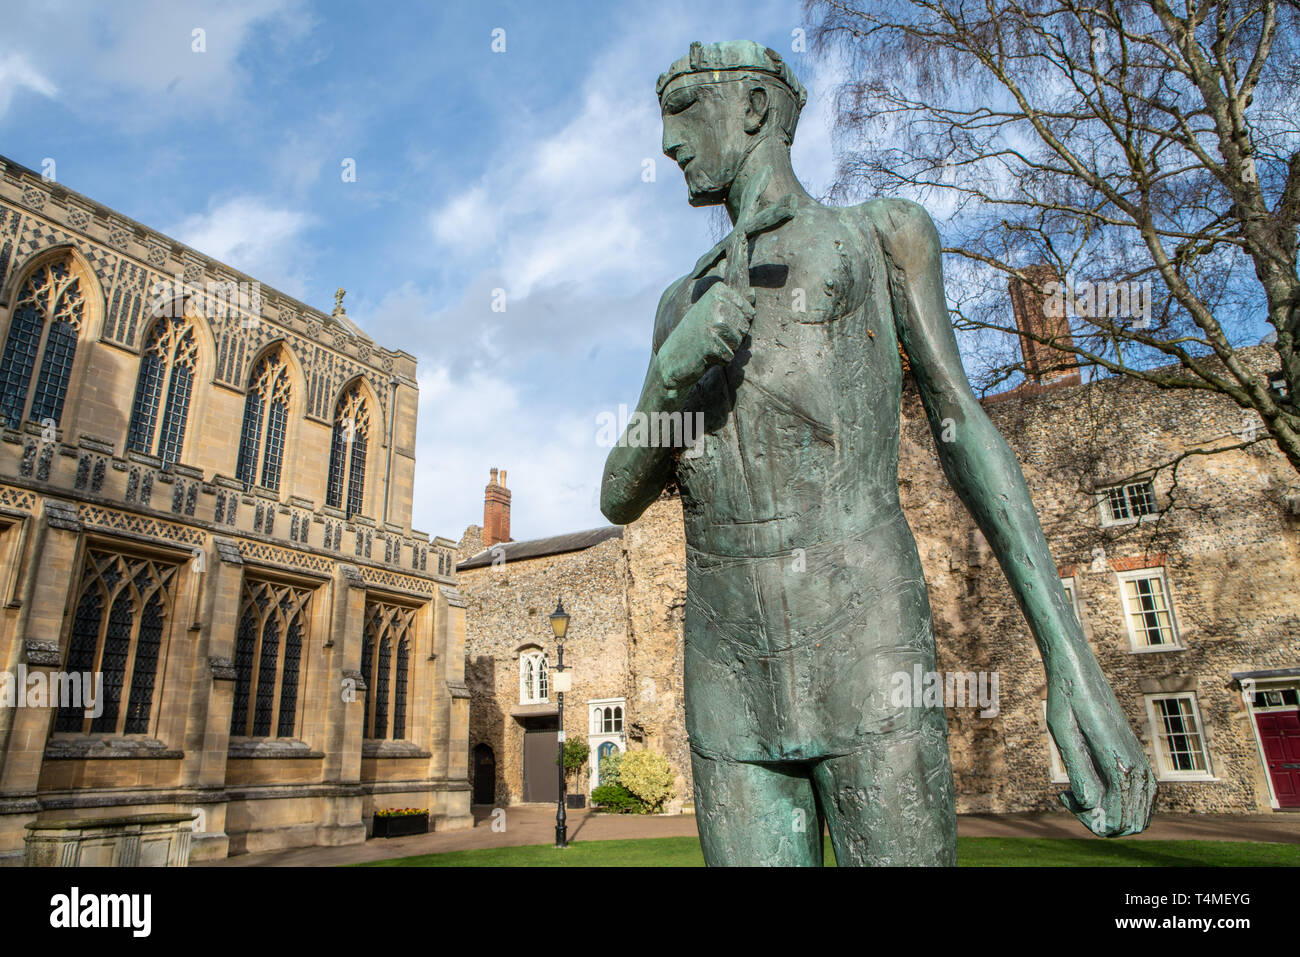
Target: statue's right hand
x=709, y=334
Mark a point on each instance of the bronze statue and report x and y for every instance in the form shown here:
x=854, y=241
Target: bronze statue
x=805, y=595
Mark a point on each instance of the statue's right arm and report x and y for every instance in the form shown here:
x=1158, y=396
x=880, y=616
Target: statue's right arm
x=635, y=476
x=708, y=334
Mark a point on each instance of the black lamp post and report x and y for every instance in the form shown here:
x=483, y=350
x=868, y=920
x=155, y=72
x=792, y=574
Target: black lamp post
x=560, y=625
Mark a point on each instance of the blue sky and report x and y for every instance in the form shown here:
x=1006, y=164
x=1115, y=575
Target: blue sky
x=475, y=171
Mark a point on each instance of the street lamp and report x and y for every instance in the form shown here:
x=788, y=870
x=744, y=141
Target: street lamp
x=560, y=681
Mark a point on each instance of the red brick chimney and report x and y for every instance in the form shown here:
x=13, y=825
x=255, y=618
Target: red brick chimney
x=1044, y=316
x=496, y=511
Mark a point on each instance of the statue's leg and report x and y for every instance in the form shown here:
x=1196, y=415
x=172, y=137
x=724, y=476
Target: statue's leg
x=891, y=803
x=756, y=814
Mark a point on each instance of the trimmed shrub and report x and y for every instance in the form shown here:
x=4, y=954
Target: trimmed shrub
x=647, y=775
x=616, y=798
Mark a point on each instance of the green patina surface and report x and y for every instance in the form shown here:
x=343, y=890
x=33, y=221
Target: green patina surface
x=805, y=595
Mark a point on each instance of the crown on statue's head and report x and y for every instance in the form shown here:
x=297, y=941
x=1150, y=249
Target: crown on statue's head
x=734, y=56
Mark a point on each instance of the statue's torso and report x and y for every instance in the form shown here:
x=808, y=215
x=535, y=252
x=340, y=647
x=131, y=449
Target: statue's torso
x=804, y=591
x=801, y=428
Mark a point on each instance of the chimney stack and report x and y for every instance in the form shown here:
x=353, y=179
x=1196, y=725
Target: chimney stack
x=1034, y=313
x=496, y=511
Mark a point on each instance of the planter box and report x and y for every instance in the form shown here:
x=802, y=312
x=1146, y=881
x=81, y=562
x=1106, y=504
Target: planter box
x=401, y=826
x=575, y=801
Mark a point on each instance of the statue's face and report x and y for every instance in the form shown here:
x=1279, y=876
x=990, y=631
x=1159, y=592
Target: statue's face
x=704, y=133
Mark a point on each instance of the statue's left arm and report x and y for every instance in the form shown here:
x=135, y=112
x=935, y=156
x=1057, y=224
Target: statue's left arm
x=1112, y=787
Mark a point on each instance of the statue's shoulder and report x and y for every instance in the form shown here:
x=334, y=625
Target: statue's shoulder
x=904, y=228
x=669, y=311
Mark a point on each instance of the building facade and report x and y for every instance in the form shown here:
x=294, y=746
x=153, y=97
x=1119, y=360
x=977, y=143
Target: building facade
x=205, y=512
x=1181, y=566
x=623, y=590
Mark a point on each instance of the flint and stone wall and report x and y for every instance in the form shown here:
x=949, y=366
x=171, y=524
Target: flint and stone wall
x=1230, y=548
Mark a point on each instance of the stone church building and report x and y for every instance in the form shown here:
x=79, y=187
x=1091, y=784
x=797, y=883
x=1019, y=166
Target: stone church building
x=1183, y=577
x=205, y=501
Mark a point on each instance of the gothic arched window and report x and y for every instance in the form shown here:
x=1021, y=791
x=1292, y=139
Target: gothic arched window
x=167, y=361
x=268, y=659
x=266, y=417
x=123, y=646
x=348, y=452
x=48, y=317
x=533, y=678
x=386, y=669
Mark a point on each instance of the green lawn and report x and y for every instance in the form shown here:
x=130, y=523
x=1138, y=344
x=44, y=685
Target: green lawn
x=971, y=852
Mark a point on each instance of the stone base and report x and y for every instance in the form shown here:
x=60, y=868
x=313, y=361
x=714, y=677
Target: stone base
x=136, y=840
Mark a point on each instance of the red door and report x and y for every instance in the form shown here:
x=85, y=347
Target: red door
x=1279, y=732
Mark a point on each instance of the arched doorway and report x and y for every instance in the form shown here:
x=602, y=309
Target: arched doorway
x=485, y=774
x=602, y=752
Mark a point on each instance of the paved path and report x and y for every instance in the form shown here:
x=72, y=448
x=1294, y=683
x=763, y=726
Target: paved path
x=535, y=824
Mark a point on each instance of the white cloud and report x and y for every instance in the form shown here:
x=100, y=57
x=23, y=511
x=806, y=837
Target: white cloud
x=255, y=237
x=16, y=73
x=467, y=221
x=145, y=51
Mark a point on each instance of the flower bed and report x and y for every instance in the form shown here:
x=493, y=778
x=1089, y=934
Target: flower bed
x=401, y=821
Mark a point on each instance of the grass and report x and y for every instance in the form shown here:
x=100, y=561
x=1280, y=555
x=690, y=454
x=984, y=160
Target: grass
x=971, y=852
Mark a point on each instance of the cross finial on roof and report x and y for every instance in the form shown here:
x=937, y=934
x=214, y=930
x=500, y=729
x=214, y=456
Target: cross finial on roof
x=338, y=302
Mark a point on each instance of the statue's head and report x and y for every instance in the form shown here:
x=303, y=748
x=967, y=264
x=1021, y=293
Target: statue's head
x=719, y=102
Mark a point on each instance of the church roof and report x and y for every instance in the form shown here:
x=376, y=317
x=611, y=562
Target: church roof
x=539, y=547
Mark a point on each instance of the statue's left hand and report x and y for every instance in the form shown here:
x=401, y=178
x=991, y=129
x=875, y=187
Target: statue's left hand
x=1112, y=786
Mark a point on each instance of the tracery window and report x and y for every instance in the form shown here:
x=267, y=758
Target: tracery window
x=48, y=318
x=117, y=631
x=389, y=638
x=273, y=622
x=533, y=683
x=347, y=473
x=266, y=417
x=167, y=361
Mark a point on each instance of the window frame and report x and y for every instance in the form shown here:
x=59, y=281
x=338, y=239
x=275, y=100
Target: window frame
x=535, y=680
x=1156, y=572
x=345, y=479
x=168, y=576
x=182, y=354
x=397, y=624
x=84, y=331
x=278, y=389
x=1163, y=767
x=1108, y=520
x=303, y=595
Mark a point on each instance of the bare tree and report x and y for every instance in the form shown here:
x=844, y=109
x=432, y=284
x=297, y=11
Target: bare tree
x=1147, y=157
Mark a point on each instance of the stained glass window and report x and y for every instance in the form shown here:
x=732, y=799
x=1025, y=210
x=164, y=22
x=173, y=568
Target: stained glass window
x=289, y=682
x=47, y=320
x=382, y=676
x=172, y=437
x=17, y=363
x=387, y=674
x=245, y=649
x=368, y=675
x=268, y=659
x=169, y=357
x=266, y=678
x=347, y=470
x=124, y=646
x=249, y=439
x=82, y=648
x=268, y=397
x=274, y=454
x=399, y=690
x=144, y=411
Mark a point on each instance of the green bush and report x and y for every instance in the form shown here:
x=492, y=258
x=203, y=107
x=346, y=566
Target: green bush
x=575, y=755
x=618, y=799
x=647, y=775
x=608, y=770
